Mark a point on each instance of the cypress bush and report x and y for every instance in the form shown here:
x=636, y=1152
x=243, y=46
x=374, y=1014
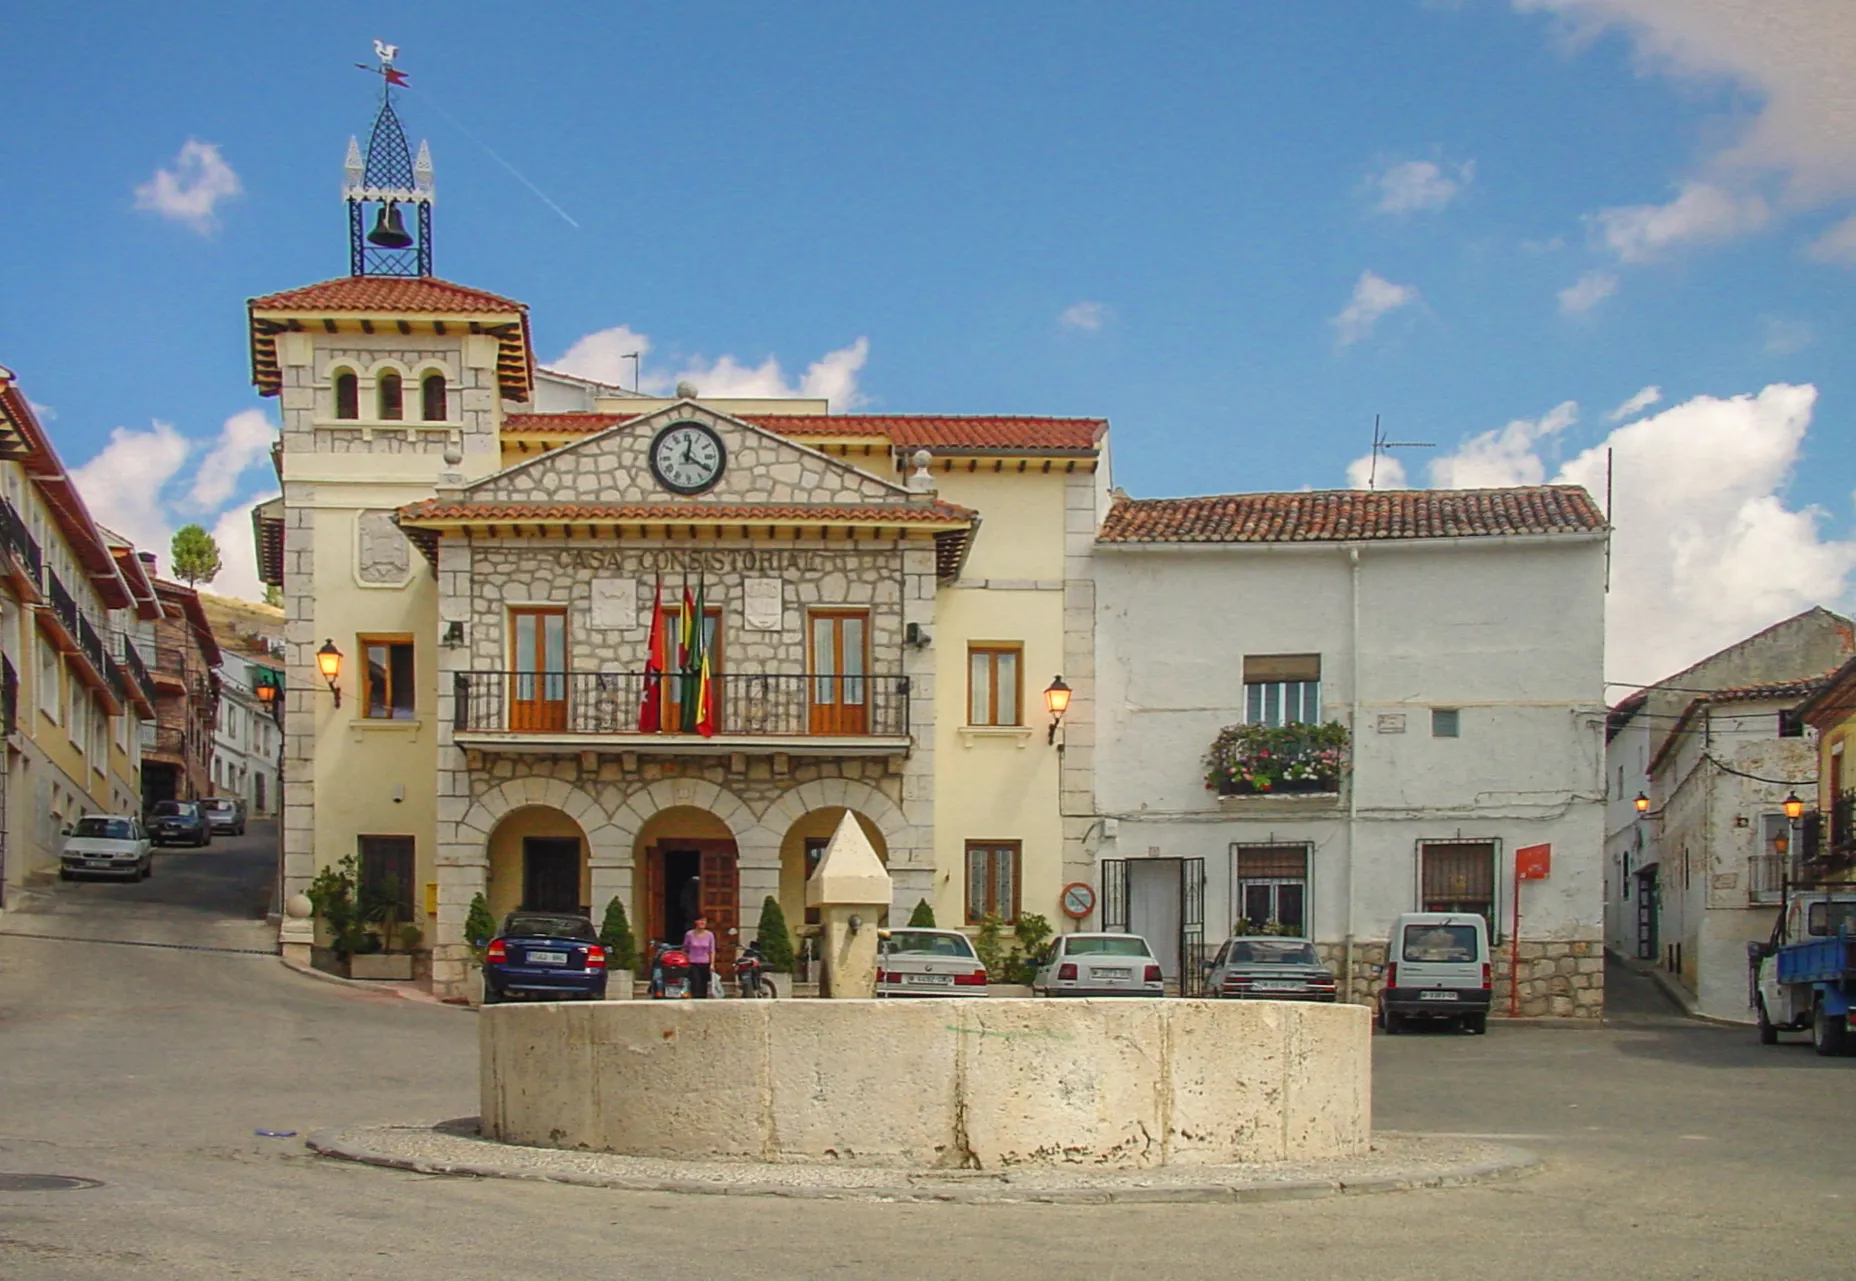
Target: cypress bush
x=922, y=918
x=479, y=927
x=776, y=942
x=615, y=935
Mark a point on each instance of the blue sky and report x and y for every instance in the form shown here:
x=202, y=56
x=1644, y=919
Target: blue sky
x=1157, y=214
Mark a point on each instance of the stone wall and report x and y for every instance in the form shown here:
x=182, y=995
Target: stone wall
x=1560, y=978
x=955, y=1084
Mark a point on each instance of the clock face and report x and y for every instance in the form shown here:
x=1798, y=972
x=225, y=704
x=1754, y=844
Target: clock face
x=687, y=458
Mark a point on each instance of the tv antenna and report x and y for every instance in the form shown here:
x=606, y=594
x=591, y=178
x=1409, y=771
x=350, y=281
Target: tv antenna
x=1381, y=445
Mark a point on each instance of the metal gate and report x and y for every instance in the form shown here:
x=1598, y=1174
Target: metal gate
x=1191, y=926
x=1646, y=914
x=1114, y=895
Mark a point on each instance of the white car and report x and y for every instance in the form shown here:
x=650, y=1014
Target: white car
x=1100, y=965
x=107, y=845
x=923, y=962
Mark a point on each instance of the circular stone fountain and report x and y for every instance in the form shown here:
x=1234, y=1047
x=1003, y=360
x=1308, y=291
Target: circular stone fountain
x=934, y=1084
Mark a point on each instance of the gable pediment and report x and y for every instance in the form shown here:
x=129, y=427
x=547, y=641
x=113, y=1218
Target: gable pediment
x=614, y=466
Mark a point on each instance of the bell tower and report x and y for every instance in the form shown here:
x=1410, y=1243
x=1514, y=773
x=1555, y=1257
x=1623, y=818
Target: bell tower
x=390, y=184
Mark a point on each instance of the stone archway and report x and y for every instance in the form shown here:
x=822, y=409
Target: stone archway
x=537, y=857
x=894, y=838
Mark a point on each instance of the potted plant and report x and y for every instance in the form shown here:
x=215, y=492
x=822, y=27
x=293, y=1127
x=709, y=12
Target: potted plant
x=379, y=907
x=1272, y=760
x=776, y=945
x=333, y=899
x=615, y=935
x=479, y=929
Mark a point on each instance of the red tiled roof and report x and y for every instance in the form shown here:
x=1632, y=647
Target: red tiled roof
x=386, y=293
x=904, y=431
x=1766, y=690
x=1348, y=515
x=515, y=363
x=682, y=513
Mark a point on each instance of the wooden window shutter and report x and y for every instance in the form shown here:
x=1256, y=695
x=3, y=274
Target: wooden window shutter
x=1259, y=668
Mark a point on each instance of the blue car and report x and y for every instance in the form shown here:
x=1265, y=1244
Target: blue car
x=547, y=956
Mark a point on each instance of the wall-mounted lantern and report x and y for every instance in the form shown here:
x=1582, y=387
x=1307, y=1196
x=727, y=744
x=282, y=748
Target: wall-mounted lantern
x=329, y=663
x=1056, y=702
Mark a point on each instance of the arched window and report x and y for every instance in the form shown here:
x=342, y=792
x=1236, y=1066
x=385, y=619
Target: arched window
x=433, y=390
x=347, y=394
x=389, y=397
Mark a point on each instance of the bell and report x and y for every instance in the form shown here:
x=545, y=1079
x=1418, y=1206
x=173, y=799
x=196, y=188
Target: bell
x=389, y=232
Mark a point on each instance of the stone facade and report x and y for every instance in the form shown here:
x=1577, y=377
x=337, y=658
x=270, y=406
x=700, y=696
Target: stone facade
x=1560, y=978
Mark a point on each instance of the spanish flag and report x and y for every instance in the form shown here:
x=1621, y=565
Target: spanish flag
x=690, y=651
x=651, y=710
x=705, y=676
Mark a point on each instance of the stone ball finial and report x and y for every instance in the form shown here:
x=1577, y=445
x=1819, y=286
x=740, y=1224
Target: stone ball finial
x=454, y=453
x=298, y=907
x=686, y=390
x=921, y=458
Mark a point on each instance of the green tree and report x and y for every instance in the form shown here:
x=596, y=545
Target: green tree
x=615, y=935
x=479, y=927
x=922, y=918
x=333, y=897
x=991, y=948
x=274, y=595
x=776, y=942
x=194, y=555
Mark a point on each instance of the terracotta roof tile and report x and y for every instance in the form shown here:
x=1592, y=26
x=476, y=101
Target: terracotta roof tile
x=674, y=513
x=904, y=431
x=1352, y=514
x=385, y=293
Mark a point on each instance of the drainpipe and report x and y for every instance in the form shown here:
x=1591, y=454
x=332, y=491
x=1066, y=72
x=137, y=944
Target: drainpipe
x=1353, y=791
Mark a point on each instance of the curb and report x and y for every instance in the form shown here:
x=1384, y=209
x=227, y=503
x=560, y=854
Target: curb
x=364, y=985
x=1512, y=1163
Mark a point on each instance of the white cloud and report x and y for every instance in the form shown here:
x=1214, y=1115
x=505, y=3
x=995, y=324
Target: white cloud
x=1838, y=244
x=1783, y=336
x=190, y=192
x=136, y=485
x=832, y=376
x=245, y=439
x=1706, y=550
x=1087, y=316
x=1700, y=213
x=1588, y=291
x=1390, y=473
x=1373, y=297
x=1635, y=405
x=45, y=413
x=1414, y=185
x=1508, y=455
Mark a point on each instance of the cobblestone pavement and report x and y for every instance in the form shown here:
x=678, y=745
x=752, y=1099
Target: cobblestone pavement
x=1672, y=1149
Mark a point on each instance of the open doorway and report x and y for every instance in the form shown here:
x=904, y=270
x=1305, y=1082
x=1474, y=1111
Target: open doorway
x=680, y=893
x=685, y=879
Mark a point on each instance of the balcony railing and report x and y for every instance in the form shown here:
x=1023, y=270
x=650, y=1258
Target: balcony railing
x=9, y=698
x=138, y=670
x=91, y=642
x=1767, y=875
x=63, y=603
x=611, y=704
x=1842, y=842
x=17, y=541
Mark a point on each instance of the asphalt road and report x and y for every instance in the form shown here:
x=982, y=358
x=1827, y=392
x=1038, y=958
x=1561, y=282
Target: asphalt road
x=1674, y=1149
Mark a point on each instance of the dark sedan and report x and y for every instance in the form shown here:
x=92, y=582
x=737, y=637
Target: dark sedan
x=179, y=823
x=1270, y=968
x=547, y=956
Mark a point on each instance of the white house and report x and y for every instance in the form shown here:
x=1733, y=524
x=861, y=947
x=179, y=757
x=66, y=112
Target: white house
x=247, y=741
x=1458, y=639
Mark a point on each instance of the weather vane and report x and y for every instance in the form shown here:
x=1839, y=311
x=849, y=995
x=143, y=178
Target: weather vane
x=391, y=76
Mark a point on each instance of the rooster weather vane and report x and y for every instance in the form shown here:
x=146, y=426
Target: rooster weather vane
x=387, y=177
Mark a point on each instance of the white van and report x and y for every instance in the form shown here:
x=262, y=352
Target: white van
x=1437, y=967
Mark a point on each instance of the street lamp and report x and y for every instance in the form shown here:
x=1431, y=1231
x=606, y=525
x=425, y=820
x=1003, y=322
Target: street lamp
x=1794, y=807
x=1642, y=803
x=329, y=663
x=1056, y=702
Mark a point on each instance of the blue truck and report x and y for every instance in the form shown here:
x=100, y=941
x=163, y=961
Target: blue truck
x=1804, y=977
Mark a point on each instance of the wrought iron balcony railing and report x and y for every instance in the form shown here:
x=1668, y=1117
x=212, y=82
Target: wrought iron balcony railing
x=138, y=670
x=90, y=640
x=1767, y=875
x=612, y=705
x=63, y=603
x=1842, y=825
x=17, y=541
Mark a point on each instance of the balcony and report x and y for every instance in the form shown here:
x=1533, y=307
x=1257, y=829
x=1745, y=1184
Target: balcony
x=141, y=684
x=1768, y=874
x=797, y=714
x=26, y=566
x=1842, y=827
x=75, y=637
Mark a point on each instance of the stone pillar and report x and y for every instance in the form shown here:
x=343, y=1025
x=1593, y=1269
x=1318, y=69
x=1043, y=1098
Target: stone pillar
x=849, y=888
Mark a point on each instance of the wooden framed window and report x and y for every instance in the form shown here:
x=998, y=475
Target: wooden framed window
x=538, y=659
x=347, y=394
x=389, y=691
x=995, y=684
x=391, y=397
x=1458, y=876
x=992, y=880
x=839, y=688
x=387, y=870
x=432, y=398
x=1282, y=689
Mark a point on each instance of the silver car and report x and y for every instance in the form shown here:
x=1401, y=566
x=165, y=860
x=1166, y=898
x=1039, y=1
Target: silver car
x=1269, y=968
x=1100, y=965
x=107, y=845
x=923, y=962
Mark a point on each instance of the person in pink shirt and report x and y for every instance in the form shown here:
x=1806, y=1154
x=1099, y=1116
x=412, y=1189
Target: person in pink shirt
x=699, y=946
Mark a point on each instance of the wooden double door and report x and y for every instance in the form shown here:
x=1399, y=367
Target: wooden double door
x=684, y=879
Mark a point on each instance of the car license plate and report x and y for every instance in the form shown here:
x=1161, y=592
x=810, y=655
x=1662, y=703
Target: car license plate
x=1112, y=974
x=930, y=980
x=547, y=958
x=97, y=862
x=1437, y=996
x=1277, y=985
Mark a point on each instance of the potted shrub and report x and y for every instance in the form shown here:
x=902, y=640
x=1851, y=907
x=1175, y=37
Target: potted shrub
x=615, y=935
x=1273, y=760
x=776, y=946
x=333, y=899
x=379, y=907
x=922, y=918
x=479, y=929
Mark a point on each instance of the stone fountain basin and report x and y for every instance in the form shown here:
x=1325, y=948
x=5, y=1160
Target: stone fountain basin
x=934, y=1083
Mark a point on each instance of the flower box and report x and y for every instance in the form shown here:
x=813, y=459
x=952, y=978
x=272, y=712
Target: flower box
x=1274, y=760
x=1285, y=787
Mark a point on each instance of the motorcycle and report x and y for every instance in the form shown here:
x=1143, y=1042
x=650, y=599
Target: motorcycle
x=670, y=973
x=750, y=974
